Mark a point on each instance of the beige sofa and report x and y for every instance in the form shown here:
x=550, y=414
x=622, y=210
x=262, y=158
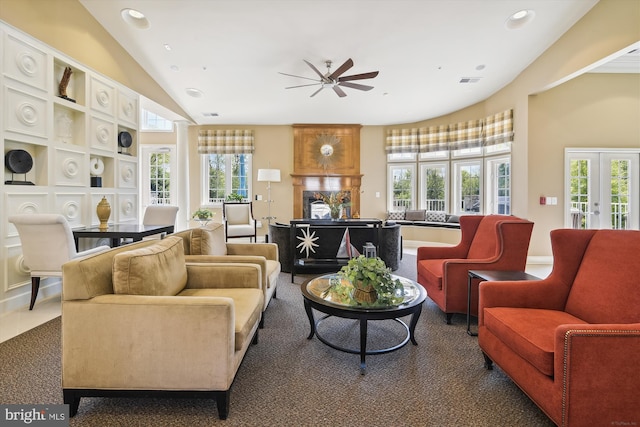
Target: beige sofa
x=138, y=320
x=207, y=244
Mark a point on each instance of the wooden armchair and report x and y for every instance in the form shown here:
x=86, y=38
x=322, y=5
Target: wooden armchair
x=491, y=242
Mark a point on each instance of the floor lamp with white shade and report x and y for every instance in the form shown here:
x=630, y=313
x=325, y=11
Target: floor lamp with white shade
x=269, y=176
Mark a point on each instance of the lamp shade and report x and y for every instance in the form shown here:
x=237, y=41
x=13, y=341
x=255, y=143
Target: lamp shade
x=268, y=175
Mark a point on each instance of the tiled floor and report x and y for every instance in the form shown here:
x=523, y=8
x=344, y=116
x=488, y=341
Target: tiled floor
x=22, y=320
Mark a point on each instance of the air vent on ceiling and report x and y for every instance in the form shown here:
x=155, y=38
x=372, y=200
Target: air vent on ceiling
x=469, y=79
x=210, y=114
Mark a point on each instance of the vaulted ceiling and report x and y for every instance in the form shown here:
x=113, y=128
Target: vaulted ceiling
x=433, y=56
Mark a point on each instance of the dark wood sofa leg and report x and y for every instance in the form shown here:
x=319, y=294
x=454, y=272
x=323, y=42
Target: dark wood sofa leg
x=71, y=399
x=261, y=324
x=448, y=316
x=222, y=400
x=254, y=341
x=488, y=363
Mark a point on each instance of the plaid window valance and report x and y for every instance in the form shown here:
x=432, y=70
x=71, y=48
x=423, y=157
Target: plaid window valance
x=218, y=141
x=433, y=138
x=491, y=130
x=498, y=128
x=465, y=135
x=402, y=141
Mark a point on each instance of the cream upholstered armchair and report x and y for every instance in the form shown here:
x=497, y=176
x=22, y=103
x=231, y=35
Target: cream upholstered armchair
x=47, y=243
x=207, y=244
x=138, y=320
x=239, y=221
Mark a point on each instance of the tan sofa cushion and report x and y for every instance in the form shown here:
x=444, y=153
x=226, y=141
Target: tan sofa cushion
x=158, y=269
x=208, y=240
x=247, y=305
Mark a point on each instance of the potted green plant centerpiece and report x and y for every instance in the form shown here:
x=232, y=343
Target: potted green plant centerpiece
x=372, y=281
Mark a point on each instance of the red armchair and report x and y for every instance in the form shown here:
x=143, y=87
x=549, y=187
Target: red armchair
x=571, y=342
x=491, y=242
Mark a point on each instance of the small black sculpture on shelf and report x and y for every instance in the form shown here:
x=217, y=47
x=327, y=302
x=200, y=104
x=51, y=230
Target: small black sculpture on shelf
x=18, y=161
x=64, y=82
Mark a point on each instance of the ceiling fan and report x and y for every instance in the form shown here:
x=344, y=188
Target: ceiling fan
x=334, y=79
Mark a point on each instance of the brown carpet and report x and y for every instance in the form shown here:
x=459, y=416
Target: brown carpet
x=287, y=380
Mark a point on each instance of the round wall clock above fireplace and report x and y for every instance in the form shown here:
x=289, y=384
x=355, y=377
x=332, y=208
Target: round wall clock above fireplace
x=18, y=161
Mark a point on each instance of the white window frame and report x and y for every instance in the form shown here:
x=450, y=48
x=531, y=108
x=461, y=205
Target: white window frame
x=152, y=122
x=146, y=151
x=484, y=156
x=455, y=184
x=491, y=201
x=475, y=152
x=422, y=187
x=204, y=177
x=390, y=199
x=401, y=157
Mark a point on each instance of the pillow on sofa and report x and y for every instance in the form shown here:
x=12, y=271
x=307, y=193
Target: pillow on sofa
x=208, y=240
x=434, y=216
x=419, y=215
x=158, y=269
x=395, y=216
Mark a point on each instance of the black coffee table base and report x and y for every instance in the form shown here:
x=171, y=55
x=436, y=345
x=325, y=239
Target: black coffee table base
x=363, y=317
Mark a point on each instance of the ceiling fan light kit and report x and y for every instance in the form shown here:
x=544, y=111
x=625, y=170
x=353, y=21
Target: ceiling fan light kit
x=335, y=80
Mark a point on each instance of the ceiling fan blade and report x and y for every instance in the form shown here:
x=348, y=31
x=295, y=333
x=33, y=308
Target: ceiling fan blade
x=322, y=77
x=344, y=67
x=310, y=84
x=362, y=76
x=300, y=77
x=314, y=93
x=339, y=91
x=355, y=86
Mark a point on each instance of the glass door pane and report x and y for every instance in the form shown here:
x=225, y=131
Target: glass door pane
x=603, y=190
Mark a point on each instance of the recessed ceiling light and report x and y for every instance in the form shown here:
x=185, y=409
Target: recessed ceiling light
x=196, y=93
x=519, y=19
x=175, y=68
x=134, y=18
x=480, y=67
x=167, y=46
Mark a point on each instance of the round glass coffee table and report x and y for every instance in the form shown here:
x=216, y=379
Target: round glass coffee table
x=333, y=295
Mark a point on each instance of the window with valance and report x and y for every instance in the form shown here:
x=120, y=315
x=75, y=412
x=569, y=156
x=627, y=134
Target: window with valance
x=217, y=141
x=492, y=130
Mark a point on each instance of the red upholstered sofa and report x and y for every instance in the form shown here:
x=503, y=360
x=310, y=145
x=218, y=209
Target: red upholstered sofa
x=491, y=242
x=571, y=342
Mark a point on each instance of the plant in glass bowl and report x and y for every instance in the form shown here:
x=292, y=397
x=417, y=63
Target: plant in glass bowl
x=372, y=281
x=202, y=215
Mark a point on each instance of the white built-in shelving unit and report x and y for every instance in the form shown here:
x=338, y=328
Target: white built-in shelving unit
x=67, y=141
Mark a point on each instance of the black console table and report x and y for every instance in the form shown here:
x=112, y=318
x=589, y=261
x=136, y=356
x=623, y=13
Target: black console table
x=315, y=242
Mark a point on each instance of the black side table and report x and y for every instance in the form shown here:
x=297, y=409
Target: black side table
x=492, y=276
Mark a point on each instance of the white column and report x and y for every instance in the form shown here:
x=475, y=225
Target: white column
x=182, y=142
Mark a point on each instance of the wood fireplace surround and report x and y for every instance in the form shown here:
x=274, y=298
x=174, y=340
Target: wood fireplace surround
x=326, y=158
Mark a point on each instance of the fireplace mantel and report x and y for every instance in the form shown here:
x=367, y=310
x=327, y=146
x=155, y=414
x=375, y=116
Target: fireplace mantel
x=314, y=171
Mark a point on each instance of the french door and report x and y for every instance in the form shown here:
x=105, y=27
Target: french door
x=602, y=189
x=158, y=176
